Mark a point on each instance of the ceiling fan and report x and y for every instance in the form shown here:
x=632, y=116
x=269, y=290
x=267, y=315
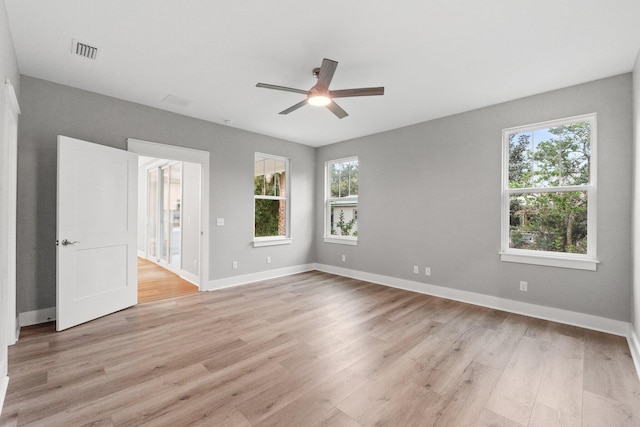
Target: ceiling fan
x=321, y=95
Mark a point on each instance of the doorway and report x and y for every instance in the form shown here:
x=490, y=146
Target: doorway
x=105, y=222
x=168, y=228
x=172, y=212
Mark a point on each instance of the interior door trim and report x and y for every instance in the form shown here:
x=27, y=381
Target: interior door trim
x=172, y=152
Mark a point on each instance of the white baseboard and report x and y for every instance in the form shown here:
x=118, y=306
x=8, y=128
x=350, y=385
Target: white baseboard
x=255, y=277
x=190, y=277
x=49, y=314
x=634, y=346
x=4, y=384
x=34, y=317
x=16, y=335
x=583, y=320
x=615, y=327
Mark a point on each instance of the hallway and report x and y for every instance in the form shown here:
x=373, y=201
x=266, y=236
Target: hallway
x=156, y=283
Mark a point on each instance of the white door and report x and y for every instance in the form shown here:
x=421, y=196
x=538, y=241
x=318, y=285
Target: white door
x=96, y=231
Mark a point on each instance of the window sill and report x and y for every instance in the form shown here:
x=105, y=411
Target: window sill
x=341, y=241
x=258, y=243
x=550, y=260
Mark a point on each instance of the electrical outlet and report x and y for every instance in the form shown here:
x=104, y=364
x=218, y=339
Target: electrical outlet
x=523, y=286
x=268, y=260
x=427, y=271
x=416, y=269
x=344, y=258
x=234, y=265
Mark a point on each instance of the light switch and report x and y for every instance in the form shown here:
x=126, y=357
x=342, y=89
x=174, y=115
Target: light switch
x=219, y=221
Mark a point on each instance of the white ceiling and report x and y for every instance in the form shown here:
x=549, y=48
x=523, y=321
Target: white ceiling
x=435, y=58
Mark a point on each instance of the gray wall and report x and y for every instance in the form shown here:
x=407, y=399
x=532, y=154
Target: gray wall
x=191, y=217
x=430, y=196
x=50, y=109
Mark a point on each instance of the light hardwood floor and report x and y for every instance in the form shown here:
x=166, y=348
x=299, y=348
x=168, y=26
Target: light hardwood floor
x=155, y=283
x=317, y=349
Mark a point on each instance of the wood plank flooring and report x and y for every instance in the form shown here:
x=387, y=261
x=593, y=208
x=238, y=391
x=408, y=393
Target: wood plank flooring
x=156, y=283
x=316, y=349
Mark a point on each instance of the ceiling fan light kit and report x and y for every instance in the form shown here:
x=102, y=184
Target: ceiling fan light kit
x=320, y=95
x=318, y=99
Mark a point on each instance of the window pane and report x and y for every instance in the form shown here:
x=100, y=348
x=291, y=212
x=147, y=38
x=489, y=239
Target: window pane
x=520, y=160
x=335, y=170
x=574, y=142
x=344, y=219
x=269, y=177
x=343, y=179
x=550, y=157
x=270, y=218
x=258, y=177
x=280, y=178
x=353, y=178
x=555, y=222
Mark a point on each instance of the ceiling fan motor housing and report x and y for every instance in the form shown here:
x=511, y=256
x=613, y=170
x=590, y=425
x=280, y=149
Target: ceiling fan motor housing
x=320, y=95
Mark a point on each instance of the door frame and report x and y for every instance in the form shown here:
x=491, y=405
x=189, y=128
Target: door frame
x=173, y=152
x=8, y=219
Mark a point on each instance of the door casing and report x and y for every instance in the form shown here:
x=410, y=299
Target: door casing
x=172, y=152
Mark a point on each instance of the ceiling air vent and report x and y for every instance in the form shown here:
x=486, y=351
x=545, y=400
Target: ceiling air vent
x=84, y=50
x=176, y=100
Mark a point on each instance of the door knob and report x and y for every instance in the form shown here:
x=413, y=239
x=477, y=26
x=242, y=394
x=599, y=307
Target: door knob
x=65, y=242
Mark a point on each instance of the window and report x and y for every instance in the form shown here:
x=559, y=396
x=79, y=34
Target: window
x=271, y=200
x=341, y=199
x=549, y=193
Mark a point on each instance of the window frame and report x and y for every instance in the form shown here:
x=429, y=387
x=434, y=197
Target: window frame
x=274, y=240
x=586, y=261
x=328, y=237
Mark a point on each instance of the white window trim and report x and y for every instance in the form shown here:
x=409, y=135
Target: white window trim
x=259, y=242
x=344, y=240
x=328, y=237
x=275, y=240
x=586, y=261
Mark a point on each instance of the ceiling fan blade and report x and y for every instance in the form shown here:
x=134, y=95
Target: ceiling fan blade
x=364, y=91
x=294, y=107
x=337, y=110
x=284, y=88
x=326, y=74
